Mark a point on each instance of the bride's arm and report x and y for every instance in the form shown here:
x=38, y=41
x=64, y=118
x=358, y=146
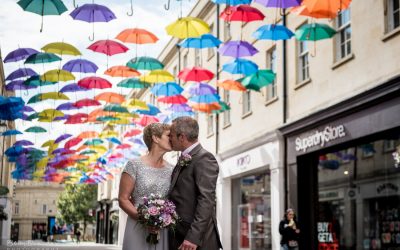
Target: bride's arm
x=126, y=187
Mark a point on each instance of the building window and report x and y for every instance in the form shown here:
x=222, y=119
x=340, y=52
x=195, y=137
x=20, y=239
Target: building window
x=389, y=146
x=44, y=209
x=271, y=64
x=343, y=35
x=211, y=51
x=197, y=57
x=227, y=113
x=210, y=125
x=175, y=71
x=152, y=99
x=227, y=31
x=246, y=105
x=185, y=60
x=303, y=66
x=393, y=14
x=16, y=207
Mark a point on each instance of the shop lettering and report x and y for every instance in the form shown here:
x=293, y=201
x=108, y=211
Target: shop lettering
x=389, y=186
x=325, y=232
x=244, y=160
x=319, y=138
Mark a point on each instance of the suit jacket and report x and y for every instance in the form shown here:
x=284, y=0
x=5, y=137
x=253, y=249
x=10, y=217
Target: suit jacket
x=193, y=192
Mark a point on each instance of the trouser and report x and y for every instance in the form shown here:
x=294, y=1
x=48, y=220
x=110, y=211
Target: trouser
x=286, y=247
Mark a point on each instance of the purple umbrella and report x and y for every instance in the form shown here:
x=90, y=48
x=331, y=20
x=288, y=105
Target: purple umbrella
x=180, y=108
x=61, y=138
x=19, y=54
x=21, y=73
x=28, y=109
x=237, y=49
x=18, y=85
x=80, y=65
x=73, y=87
x=202, y=89
x=92, y=13
x=279, y=3
x=66, y=106
x=23, y=143
x=59, y=118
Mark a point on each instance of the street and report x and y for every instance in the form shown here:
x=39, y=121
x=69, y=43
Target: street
x=39, y=245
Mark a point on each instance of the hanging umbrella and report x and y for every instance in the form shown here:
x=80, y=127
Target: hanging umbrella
x=258, y=80
x=167, y=89
x=61, y=48
x=80, y=65
x=73, y=87
x=66, y=106
x=86, y=103
x=42, y=58
x=62, y=137
x=284, y=4
x=116, y=108
x=153, y=110
x=121, y=71
x=19, y=54
x=47, y=96
x=48, y=143
x=232, y=2
x=175, y=99
x=196, y=74
x=11, y=132
x=144, y=63
x=204, y=41
x=157, y=76
x=23, y=143
x=272, y=32
x=242, y=13
x=11, y=108
x=138, y=36
x=28, y=109
x=325, y=9
x=133, y=83
x=94, y=142
x=20, y=73
x=108, y=133
x=108, y=47
x=94, y=82
x=135, y=103
x=240, y=66
x=57, y=75
x=208, y=98
x=206, y=108
x=314, y=32
x=36, y=129
x=188, y=27
x=88, y=134
x=202, y=89
x=133, y=132
x=110, y=97
x=43, y=7
x=237, y=49
x=72, y=142
x=231, y=85
x=18, y=85
x=77, y=118
x=49, y=114
x=145, y=120
x=224, y=107
x=179, y=108
x=35, y=81
x=114, y=140
x=92, y=13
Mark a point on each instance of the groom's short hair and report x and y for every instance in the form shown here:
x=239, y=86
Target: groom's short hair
x=186, y=125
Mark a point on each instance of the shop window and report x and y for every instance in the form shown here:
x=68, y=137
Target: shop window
x=367, y=150
x=392, y=14
x=343, y=35
x=302, y=61
x=271, y=64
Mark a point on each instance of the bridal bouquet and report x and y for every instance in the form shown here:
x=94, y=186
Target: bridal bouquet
x=155, y=214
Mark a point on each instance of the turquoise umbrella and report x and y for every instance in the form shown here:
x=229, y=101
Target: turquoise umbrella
x=258, y=80
x=42, y=58
x=145, y=63
x=314, y=32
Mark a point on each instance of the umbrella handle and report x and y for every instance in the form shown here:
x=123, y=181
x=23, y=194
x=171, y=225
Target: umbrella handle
x=91, y=38
x=75, y=5
x=131, y=13
x=166, y=7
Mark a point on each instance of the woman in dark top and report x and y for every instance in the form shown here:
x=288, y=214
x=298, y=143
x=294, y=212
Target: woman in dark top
x=290, y=231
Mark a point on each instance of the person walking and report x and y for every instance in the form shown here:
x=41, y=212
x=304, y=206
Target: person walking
x=288, y=228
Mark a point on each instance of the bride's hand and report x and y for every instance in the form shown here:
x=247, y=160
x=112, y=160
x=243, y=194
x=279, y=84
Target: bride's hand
x=153, y=230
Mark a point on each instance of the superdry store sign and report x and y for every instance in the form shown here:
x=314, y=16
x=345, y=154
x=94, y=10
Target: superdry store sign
x=320, y=138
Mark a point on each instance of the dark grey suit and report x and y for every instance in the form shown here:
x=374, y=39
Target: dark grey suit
x=193, y=192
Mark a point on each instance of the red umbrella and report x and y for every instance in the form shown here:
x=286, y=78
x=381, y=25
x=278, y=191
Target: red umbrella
x=196, y=74
x=77, y=118
x=175, y=99
x=145, y=120
x=94, y=82
x=86, y=103
x=124, y=146
x=72, y=142
x=108, y=47
x=133, y=132
x=242, y=13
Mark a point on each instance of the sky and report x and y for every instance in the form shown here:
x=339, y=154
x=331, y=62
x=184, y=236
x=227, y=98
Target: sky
x=19, y=29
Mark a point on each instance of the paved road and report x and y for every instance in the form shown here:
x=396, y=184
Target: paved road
x=38, y=245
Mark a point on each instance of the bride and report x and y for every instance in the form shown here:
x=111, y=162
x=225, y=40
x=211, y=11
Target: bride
x=141, y=177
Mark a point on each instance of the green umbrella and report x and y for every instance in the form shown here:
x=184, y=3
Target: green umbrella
x=145, y=63
x=36, y=129
x=35, y=81
x=32, y=116
x=107, y=118
x=224, y=107
x=258, y=80
x=314, y=32
x=133, y=83
x=115, y=108
x=43, y=7
x=94, y=142
x=88, y=152
x=42, y=58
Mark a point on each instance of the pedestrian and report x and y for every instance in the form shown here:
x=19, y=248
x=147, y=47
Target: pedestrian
x=289, y=229
x=78, y=236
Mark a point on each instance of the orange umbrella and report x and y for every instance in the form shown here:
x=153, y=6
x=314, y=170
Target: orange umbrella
x=138, y=36
x=88, y=134
x=121, y=71
x=98, y=113
x=110, y=97
x=323, y=9
x=206, y=108
x=231, y=85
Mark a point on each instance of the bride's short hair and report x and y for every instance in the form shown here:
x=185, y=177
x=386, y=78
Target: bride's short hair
x=156, y=129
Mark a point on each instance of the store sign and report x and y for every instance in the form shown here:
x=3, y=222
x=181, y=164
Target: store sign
x=320, y=138
x=243, y=161
x=387, y=187
x=327, y=237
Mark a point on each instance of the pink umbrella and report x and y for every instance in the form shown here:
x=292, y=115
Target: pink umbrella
x=196, y=74
x=108, y=47
x=94, y=82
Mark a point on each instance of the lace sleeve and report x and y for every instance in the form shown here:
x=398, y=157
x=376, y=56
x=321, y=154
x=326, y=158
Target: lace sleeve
x=131, y=169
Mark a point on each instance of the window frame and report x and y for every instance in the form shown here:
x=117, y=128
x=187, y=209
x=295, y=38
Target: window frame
x=271, y=61
x=341, y=34
x=226, y=113
x=227, y=31
x=210, y=125
x=301, y=53
x=246, y=99
x=390, y=19
x=16, y=207
x=211, y=51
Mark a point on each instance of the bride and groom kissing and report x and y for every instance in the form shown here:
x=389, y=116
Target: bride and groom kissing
x=190, y=185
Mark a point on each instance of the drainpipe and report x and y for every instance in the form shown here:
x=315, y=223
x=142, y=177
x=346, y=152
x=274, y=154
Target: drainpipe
x=284, y=83
x=179, y=62
x=217, y=78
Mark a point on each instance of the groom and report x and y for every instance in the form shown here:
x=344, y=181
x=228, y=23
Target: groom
x=192, y=190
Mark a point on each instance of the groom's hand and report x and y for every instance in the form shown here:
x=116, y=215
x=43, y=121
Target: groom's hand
x=187, y=245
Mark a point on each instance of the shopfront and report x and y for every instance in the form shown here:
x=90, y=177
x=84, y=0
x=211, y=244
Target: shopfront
x=343, y=173
x=249, y=184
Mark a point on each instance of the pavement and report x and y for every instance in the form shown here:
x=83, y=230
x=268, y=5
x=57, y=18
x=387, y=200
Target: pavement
x=60, y=245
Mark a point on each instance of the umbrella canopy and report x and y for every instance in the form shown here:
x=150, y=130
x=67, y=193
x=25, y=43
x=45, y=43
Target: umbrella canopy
x=80, y=65
x=180, y=108
x=35, y=81
x=135, y=103
x=49, y=114
x=224, y=107
x=157, y=76
x=42, y=58
x=145, y=120
x=116, y=108
x=240, y=66
x=167, y=89
x=325, y=9
x=206, y=108
x=153, y=110
x=77, y=118
x=133, y=83
x=175, y=99
x=188, y=27
x=47, y=96
x=62, y=137
x=144, y=63
x=196, y=74
x=231, y=85
x=19, y=73
x=88, y=134
x=19, y=54
x=36, y=129
x=23, y=143
x=44, y=7
x=232, y=2
x=61, y=48
x=73, y=87
x=202, y=89
x=133, y=132
x=86, y=103
x=121, y=71
x=273, y=32
x=279, y=3
x=237, y=49
x=208, y=98
x=57, y=75
x=258, y=80
x=314, y=32
x=72, y=142
x=11, y=132
x=11, y=108
x=110, y=97
x=18, y=85
x=66, y=106
x=94, y=82
x=204, y=41
x=108, y=47
x=242, y=13
x=138, y=36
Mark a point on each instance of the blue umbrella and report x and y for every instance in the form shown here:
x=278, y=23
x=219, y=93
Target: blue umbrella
x=11, y=108
x=14, y=151
x=73, y=87
x=205, y=41
x=205, y=98
x=232, y=2
x=18, y=85
x=23, y=143
x=240, y=66
x=19, y=54
x=273, y=32
x=167, y=89
x=19, y=73
x=80, y=65
x=114, y=140
x=11, y=132
x=153, y=110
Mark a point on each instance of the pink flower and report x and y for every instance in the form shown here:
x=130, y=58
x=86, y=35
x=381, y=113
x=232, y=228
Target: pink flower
x=153, y=211
x=167, y=219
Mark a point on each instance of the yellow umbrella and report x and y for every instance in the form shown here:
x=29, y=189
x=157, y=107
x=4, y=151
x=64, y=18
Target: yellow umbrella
x=57, y=75
x=48, y=143
x=50, y=114
x=126, y=115
x=46, y=96
x=61, y=48
x=38, y=174
x=121, y=121
x=108, y=134
x=157, y=76
x=188, y=27
x=42, y=163
x=136, y=104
